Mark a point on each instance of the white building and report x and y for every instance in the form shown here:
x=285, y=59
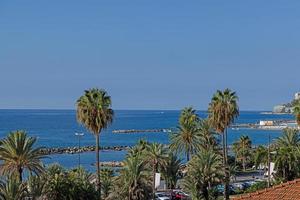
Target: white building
x=297, y=96
x=266, y=123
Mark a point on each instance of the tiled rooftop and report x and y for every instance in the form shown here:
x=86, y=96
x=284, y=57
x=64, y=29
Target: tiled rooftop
x=285, y=191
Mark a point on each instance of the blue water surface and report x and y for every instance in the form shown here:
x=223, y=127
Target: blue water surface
x=56, y=128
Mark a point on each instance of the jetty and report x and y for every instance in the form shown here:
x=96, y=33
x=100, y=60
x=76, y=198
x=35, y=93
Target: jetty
x=74, y=150
x=142, y=131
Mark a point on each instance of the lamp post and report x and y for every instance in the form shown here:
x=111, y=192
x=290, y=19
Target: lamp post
x=79, y=135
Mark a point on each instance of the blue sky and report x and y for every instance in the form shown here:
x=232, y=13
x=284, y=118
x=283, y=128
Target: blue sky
x=158, y=54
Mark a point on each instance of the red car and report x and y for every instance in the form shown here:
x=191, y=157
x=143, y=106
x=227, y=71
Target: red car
x=179, y=195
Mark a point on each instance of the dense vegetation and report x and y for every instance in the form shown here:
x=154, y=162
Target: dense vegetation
x=207, y=167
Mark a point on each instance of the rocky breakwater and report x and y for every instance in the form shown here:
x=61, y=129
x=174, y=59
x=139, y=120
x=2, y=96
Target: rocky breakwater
x=142, y=131
x=73, y=150
x=111, y=164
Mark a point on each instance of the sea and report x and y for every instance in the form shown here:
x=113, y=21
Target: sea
x=57, y=128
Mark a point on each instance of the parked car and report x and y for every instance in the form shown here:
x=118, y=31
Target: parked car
x=162, y=196
x=239, y=185
x=220, y=189
x=179, y=195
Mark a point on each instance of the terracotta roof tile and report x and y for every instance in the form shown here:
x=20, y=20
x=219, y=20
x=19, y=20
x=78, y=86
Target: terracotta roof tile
x=285, y=191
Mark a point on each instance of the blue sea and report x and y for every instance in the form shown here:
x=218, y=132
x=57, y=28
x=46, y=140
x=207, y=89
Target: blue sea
x=56, y=128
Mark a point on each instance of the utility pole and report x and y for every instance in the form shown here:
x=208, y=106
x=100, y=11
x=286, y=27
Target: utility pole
x=79, y=135
x=269, y=163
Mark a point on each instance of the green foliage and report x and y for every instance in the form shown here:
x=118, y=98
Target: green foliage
x=296, y=111
x=156, y=155
x=95, y=113
x=12, y=189
x=64, y=185
x=17, y=152
x=207, y=136
x=260, y=156
x=242, y=150
x=94, y=110
x=106, y=182
x=186, y=138
x=36, y=186
x=223, y=109
x=287, y=155
x=170, y=171
x=257, y=186
x=203, y=172
x=134, y=180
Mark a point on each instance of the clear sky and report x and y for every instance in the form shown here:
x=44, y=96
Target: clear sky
x=148, y=54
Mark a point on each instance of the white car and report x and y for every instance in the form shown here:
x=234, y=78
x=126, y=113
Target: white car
x=161, y=196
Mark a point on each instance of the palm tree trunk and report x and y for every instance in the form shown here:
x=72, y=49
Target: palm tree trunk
x=20, y=170
x=154, y=173
x=205, y=192
x=226, y=145
x=98, y=165
x=226, y=181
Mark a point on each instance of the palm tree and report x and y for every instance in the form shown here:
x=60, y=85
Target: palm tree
x=106, y=181
x=261, y=157
x=187, y=138
x=287, y=163
x=296, y=111
x=203, y=172
x=223, y=109
x=170, y=171
x=207, y=136
x=188, y=116
x=133, y=180
x=36, y=186
x=290, y=137
x=95, y=113
x=156, y=156
x=17, y=152
x=242, y=149
x=287, y=154
x=12, y=189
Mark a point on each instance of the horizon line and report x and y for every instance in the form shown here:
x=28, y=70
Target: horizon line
x=124, y=109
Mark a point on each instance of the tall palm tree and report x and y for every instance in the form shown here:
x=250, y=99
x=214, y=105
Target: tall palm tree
x=12, y=189
x=95, y=113
x=17, y=152
x=203, y=172
x=223, y=109
x=296, y=111
x=170, y=171
x=156, y=156
x=186, y=139
x=242, y=149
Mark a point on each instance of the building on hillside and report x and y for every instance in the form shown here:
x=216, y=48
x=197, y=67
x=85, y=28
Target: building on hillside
x=279, y=109
x=285, y=191
x=297, y=96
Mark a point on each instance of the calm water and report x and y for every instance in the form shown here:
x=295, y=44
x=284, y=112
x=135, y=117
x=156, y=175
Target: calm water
x=56, y=128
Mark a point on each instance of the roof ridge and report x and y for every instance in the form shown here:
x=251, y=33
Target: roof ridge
x=265, y=190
